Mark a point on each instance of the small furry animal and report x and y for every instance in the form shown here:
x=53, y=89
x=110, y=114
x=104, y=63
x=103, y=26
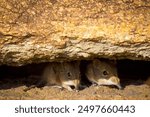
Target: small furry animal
x=102, y=72
x=148, y=81
x=62, y=75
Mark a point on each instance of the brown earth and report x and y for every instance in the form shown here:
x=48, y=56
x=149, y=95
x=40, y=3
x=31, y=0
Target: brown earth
x=14, y=89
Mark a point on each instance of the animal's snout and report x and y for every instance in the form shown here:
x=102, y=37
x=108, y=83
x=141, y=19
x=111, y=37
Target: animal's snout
x=72, y=84
x=115, y=81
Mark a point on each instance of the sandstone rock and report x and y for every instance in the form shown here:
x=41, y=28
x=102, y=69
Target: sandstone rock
x=33, y=31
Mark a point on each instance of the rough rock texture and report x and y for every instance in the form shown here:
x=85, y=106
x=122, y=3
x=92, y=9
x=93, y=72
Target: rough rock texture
x=54, y=30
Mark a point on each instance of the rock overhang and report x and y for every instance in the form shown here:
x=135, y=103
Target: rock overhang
x=46, y=31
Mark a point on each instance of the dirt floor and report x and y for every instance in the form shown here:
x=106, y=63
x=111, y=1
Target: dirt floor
x=14, y=89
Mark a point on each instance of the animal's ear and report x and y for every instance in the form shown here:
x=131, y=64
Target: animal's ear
x=95, y=62
x=77, y=63
x=54, y=69
x=62, y=65
x=114, y=62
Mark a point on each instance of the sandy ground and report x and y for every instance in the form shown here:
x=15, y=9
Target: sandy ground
x=14, y=89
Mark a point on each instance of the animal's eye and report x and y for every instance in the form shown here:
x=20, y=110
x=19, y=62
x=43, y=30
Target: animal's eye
x=69, y=74
x=105, y=73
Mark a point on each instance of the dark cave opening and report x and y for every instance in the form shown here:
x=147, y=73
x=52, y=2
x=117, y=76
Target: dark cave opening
x=130, y=72
x=133, y=72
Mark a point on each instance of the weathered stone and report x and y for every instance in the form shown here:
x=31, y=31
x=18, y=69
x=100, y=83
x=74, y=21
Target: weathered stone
x=57, y=30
